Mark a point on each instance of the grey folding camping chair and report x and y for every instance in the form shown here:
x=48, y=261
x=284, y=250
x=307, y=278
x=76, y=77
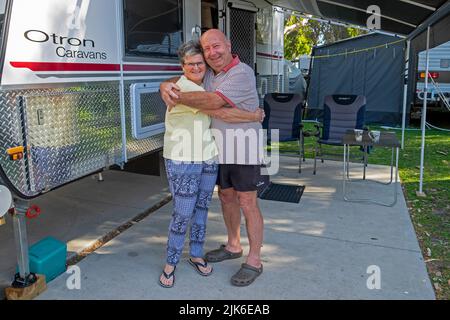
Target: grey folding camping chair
x=341, y=113
x=284, y=112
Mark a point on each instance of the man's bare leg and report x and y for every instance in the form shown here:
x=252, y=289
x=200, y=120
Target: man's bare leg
x=255, y=225
x=232, y=217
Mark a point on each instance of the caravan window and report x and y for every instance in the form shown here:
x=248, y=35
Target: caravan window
x=153, y=28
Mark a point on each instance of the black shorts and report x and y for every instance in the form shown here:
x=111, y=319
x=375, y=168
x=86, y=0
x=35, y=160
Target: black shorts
x=241, y=177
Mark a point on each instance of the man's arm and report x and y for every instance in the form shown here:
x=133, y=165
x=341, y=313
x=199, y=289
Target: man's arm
x=235, y=115
x=201, y=100
x=171, y=95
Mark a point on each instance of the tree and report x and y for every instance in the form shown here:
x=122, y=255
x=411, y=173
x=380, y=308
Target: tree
x=302, y=34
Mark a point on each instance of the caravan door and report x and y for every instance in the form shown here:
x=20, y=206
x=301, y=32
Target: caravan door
x=241, y=30
x=192, y=19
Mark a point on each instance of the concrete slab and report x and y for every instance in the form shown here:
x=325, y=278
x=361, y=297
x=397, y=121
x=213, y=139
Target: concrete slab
x=324, y=213
x=82, y=212
x=316, y=269
x=320, y=248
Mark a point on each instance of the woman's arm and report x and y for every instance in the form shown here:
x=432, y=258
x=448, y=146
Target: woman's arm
x=235, y=115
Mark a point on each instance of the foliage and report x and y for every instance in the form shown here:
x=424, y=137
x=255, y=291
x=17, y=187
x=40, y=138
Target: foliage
x=301, y=35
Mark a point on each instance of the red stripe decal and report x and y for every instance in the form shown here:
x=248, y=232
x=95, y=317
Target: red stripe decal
x=68, y=66
x=138, y=67
x=64, y=66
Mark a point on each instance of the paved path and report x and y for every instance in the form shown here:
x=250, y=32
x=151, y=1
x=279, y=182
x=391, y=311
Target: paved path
x=320, y=248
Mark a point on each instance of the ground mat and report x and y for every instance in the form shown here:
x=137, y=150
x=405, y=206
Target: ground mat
x=281, y=192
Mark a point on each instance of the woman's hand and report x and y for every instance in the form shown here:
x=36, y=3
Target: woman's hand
x=260, y=115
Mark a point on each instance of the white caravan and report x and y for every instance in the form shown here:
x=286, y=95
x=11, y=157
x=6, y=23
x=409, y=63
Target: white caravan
x=439, y=69
x=79, y=85
x=80, y=78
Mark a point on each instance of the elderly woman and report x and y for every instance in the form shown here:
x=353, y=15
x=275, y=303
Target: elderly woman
x=191, y=163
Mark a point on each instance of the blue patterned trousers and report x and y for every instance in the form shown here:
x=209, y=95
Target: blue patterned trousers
x=191, y=185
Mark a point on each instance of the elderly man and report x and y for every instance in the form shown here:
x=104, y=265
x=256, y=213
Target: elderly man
x=229, y=82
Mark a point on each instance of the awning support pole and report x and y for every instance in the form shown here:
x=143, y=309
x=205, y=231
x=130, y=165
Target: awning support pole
x=123, y=123
x=405, y=91
x=424, y=113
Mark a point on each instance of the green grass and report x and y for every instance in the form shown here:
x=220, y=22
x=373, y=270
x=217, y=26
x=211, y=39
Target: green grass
x=430, y=214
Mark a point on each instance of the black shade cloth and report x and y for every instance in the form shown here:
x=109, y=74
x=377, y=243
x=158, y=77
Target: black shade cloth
x=376, y=73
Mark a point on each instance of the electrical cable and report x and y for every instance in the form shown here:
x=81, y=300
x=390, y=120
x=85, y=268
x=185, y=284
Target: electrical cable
x=437, y=128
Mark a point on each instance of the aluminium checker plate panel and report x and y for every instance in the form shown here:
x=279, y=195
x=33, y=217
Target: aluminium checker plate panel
x=69, y=132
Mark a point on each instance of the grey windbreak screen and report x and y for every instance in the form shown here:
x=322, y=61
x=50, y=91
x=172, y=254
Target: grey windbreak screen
x=371, y=65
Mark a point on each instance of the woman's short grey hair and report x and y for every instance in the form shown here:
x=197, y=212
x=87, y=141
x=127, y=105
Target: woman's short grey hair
x=190, y=48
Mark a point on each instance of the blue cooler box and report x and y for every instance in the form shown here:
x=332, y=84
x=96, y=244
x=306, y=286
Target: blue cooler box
x=48, y=257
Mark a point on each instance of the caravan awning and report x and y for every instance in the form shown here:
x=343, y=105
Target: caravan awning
x=397, y=16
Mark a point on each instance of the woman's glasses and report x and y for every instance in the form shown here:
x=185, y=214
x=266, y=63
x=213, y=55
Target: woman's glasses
x=194, y=64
